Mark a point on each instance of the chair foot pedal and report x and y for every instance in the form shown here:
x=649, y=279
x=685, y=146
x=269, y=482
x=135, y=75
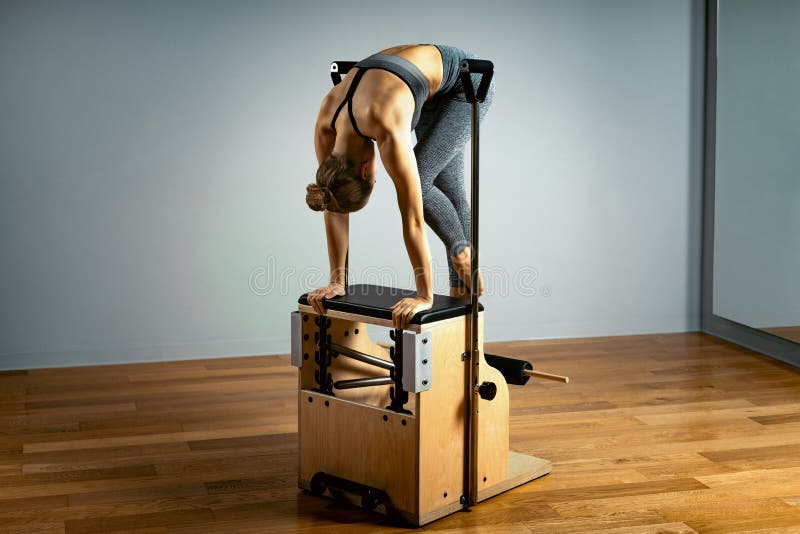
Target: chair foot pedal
x=371, y=497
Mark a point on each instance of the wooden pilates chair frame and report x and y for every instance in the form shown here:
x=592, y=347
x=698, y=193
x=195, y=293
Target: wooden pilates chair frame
x=431, y=436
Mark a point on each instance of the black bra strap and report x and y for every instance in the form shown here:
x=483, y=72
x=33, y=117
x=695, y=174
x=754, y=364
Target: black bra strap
x=348, y=99
x=335, y=115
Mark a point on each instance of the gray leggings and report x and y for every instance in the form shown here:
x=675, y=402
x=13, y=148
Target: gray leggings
x=444, y=127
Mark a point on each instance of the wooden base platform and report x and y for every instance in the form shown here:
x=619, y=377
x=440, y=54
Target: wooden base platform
x=521, y=469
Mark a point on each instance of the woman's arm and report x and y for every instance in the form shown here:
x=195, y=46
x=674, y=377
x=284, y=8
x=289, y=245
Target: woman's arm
x=337, y=227
x=337, y=232
x=324, y=136
x=398, y=159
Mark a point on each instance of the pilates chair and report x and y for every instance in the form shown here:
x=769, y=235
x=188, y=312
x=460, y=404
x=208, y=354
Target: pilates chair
x=391, y=430
x=420, y=430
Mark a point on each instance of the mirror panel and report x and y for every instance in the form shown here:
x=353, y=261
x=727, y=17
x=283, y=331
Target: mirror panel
x=757, y=196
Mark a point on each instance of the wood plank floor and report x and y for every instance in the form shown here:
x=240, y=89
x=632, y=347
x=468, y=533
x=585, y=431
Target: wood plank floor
x=657, y=433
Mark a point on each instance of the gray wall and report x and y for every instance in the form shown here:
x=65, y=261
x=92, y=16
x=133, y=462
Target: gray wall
x=153, y=159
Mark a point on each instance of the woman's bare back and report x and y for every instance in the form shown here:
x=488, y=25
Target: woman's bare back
x=381, y=92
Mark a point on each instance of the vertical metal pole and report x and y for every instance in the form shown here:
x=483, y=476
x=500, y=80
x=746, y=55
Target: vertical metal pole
x=347, y=263
x=471, y=478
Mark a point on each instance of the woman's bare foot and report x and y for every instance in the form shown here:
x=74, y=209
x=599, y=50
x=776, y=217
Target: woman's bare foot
x=461, y=263
x=459, y=292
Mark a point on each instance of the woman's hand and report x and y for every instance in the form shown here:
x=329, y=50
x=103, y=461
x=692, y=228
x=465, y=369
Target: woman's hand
x=404, y=310
x=316, y=297
x=462, y=264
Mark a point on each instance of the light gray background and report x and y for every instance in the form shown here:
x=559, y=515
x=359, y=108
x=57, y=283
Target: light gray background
x=154, y=155
x=757, y=204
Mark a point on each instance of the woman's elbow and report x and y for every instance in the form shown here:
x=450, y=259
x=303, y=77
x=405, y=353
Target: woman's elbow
x=413, y=224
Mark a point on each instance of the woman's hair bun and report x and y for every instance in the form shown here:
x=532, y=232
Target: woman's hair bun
x=317, y=197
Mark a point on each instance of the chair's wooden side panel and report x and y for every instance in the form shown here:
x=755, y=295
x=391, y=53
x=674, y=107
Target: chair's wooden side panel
x=441, y=423
x=353, y=441
x=492, y=439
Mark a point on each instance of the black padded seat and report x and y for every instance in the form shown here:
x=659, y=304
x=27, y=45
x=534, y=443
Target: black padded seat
x=374, y=301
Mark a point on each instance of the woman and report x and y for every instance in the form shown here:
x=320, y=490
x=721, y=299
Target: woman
x=383, y=98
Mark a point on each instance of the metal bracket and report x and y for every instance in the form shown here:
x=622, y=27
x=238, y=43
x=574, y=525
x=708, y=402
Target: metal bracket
x=297, y=339
x=322, y=356
x=417, y=362
x=397, y=392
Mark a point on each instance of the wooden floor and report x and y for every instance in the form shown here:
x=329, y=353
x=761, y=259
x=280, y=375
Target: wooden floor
x=663, y=433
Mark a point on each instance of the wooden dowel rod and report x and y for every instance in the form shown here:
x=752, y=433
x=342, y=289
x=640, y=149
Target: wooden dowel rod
x=548, y=376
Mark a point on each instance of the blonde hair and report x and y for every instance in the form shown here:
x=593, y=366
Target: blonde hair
x=339, y=187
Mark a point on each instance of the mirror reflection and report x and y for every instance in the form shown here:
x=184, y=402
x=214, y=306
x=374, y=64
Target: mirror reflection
x=757, y=198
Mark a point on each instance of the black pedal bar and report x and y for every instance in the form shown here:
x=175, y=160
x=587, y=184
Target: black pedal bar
x=363, y=382
x=360, y=356
x=371, y=497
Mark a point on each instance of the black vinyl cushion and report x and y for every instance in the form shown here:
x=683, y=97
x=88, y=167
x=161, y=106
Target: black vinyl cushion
x=374, y=301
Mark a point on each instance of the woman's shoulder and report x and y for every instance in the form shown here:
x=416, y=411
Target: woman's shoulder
x=331, y=101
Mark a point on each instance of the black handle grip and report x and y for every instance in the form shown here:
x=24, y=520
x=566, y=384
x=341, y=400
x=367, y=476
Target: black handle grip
x=476, y=66
x=339, y=68
x=513, y=370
